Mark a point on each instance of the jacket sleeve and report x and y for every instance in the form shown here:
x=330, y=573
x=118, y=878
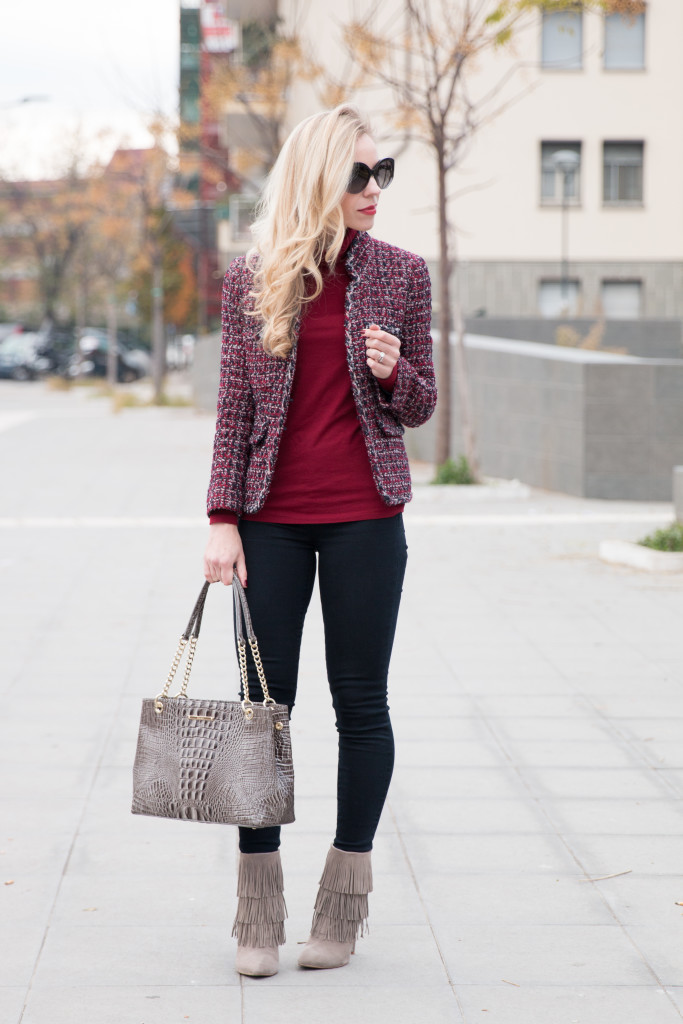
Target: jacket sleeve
x=413, y=397
x=235, y=412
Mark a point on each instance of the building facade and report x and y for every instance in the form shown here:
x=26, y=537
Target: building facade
x=600, y=238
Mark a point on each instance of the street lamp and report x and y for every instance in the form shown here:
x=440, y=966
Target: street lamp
x=566, y=161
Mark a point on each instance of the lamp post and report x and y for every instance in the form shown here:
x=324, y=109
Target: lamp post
x=566, y=161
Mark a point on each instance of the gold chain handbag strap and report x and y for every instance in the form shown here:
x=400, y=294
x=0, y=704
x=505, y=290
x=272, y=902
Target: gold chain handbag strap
x=243, y=625
x=189, y=640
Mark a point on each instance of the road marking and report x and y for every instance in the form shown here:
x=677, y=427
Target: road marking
x=417, y=519
x=15, y=419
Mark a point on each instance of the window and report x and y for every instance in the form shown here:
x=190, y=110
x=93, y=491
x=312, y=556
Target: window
x=621, y=300
x=562, y=40
x=558, y=298
x=623, y=173
x=554, y=180
x=624, y=42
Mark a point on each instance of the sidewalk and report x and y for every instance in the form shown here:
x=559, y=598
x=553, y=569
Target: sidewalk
x=538, y=708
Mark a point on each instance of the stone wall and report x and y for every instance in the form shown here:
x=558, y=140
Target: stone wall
x=585, y=423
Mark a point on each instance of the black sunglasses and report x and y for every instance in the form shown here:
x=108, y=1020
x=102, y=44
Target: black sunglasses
x=382, y=172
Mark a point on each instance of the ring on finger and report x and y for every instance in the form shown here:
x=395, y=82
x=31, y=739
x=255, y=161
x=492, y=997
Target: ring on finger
x=380, y=357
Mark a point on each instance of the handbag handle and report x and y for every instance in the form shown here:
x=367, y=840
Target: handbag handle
x=189, y=637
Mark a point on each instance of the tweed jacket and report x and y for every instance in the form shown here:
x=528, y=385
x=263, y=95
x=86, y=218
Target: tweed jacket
x=387, y=286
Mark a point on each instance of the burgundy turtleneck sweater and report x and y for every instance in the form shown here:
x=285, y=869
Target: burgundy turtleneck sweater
x=322, y=474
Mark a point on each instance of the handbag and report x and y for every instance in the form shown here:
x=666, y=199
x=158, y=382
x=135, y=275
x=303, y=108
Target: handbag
x=215, y=760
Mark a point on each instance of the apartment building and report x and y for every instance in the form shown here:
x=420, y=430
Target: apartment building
x=601, y=238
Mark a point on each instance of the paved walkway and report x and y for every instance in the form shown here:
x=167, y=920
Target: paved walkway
x=538, y=707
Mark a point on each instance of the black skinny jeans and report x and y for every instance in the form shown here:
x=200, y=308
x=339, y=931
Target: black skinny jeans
x=360, y=573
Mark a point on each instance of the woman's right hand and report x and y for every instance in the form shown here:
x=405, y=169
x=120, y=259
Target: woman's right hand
x=224, y=551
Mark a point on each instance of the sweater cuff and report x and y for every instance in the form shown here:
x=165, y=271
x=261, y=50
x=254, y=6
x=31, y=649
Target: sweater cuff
x=388, y=384
x=223, y=517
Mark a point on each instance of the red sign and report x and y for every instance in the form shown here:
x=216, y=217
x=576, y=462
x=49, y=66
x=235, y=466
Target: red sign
x=219, y=34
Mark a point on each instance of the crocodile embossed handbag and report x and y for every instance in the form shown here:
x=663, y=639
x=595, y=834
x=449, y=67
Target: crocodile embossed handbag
x=215, y=760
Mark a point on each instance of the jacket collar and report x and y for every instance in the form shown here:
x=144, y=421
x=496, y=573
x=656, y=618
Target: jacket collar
x=358, y=254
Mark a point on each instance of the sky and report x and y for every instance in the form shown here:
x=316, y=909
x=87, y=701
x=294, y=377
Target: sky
x=102, y=68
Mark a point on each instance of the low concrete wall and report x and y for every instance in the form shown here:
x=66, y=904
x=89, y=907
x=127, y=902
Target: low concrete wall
x=651, y=339
x=586, y=423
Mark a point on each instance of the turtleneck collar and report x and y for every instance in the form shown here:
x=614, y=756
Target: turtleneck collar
x=348, y=238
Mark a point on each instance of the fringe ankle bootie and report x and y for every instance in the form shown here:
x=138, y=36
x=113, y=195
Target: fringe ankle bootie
x=341, y=910
x=261, y=911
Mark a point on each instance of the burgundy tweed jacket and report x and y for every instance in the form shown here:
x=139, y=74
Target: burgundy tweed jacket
x=388, y=286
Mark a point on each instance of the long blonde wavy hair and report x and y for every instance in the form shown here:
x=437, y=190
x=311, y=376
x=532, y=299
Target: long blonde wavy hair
x=299, y=221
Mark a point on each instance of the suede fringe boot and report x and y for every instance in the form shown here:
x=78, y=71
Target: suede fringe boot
x=261, y=911
x=341, y=910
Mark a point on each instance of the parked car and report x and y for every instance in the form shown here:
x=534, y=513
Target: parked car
x=21, y=357
x=90, y=360
x=7, y=329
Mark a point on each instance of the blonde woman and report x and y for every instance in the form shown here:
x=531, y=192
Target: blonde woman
x=326, y=358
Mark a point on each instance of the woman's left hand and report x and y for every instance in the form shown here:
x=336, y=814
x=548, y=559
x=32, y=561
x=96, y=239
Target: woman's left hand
x=382, y=350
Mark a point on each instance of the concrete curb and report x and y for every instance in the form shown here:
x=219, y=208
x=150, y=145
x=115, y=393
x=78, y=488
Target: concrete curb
x=626, y=552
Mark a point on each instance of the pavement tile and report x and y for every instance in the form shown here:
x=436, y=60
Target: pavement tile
x=449, y=816
x=622, y=817
x=598, y=783
x=398, y=956
x=662, y=753
x=412, y=783
x=470, y=901
x=27, y=854
x=150, y=849
x=541, y=955
x=522, y=705
x=660, y=944
x=674, y=777
x=558, y=753
x=649, y=855
x=648, y=730
x=543, y=684
x=551, y=730
x=38, y=815
x=76, y=956
x=450, y=752
x=188, y=900
x=676, y=995
x=525, y=853
x=11, y=1004
x=433, y=1004
x=20, y=945
x=645, y=901
x=153, y=1004
x=559, y=1004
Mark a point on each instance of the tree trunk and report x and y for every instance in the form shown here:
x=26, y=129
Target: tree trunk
x=443, y=409
x=158, y=346
x=112, y=332
x=443, y=424
x=464, y=396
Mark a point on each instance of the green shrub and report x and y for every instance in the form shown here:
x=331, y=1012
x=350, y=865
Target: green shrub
x=670, y=538
x=457, y=472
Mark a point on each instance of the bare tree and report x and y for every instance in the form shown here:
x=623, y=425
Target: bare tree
x=429, y=65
